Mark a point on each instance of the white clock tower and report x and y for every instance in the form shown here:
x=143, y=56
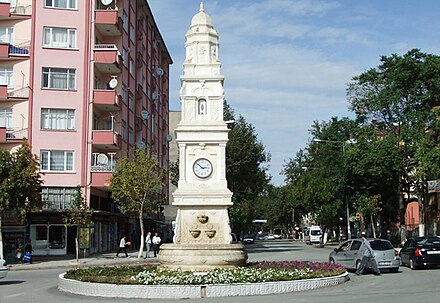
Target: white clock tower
x=202, y=237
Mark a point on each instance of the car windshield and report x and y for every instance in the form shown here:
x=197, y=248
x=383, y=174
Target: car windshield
x=428, y=242
x=315, y=232
x=381, y=245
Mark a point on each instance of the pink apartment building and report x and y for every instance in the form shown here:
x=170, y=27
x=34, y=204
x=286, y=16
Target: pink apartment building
x=84, y=81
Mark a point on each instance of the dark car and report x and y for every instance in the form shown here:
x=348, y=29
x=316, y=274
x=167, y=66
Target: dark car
x=248, y=239
x=421, y=251
x=349, y=255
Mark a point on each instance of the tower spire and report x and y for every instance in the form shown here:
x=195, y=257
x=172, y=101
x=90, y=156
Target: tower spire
x=202, y=7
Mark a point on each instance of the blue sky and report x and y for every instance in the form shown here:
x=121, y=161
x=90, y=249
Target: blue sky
x=287, y=62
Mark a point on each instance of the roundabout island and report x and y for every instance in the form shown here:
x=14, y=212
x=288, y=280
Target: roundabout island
x=156, y=283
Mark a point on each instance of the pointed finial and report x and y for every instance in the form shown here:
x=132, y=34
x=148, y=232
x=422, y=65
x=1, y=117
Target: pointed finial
x=202, y=7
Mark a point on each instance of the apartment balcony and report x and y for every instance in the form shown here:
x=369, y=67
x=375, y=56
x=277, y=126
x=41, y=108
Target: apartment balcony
x=11, y=136
x=11, y=52
x=106, y=100
x=10, y=94
x=107, y=58
x=102, y=168
x=106, y=139
x=108, y=23
x=18, y=10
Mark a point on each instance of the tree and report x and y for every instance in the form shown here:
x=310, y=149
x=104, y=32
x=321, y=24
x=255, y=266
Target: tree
x=78, y=214
x=245, y=169
x=135, y=185
x=20, y=184
x=400, y=99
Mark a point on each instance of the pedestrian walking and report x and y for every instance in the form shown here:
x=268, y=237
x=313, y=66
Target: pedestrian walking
x=156, y=243
x=122, y=247
x=368, y=260
x=148, y=244
x=19, y=252
x=28, y=250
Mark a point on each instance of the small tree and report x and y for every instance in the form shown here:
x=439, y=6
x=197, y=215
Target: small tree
x=20, y=184
x=135, y=184
x=78, y=214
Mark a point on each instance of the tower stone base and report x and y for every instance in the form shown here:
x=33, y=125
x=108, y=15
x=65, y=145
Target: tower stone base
x=201, y=257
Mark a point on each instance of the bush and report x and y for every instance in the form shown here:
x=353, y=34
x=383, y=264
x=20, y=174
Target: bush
x=252, y=273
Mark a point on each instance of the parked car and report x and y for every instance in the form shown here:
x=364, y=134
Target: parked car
x=3, y=269
x=248, y=239
x=269, y=237
x=421, y=251
x=348, y=254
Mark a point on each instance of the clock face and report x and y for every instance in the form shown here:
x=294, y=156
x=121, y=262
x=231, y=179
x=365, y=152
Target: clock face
x=202, y=168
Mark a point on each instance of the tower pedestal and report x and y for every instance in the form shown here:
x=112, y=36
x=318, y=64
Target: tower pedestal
x=201, y=257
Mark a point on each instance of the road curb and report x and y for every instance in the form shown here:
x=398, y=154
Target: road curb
x=194, y=291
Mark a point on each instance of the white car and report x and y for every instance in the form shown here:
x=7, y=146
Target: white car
x=3, y=269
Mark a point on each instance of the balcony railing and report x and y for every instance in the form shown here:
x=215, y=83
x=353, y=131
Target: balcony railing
x=20, y=93
x=103, y=162
x=57, y=205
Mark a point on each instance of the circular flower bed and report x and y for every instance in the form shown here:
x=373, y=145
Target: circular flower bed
x=252, y=273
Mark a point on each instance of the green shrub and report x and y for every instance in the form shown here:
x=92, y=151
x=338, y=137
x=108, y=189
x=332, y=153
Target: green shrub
x=252, y=273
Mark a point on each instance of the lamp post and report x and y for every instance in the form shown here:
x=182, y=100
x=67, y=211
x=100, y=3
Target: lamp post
x=346, y=198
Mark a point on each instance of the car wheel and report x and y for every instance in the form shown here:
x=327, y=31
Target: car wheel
x=412, y=264
x=394, y=270
x=331, y=261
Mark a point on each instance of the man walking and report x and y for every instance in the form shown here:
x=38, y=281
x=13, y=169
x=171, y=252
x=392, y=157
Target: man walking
x=368, y=260
x=122, y=247
x=148, y=244
x=156, y=243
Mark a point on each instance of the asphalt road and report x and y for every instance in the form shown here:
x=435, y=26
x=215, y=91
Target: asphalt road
x=407, y=286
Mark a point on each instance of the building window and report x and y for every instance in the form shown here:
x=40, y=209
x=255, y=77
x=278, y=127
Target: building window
x=124, y=93
x=125, y=21
x=131, y=101
x=57, y=119
x=132, y=33
x=56, y=160
x=124, y=56
x=153, y=122
x=71, y=4
x=131, y=67
x=59, y=37
x=6, y=118
x=7, y=35
x=201, y=107
x=130, y=135
x=57, y=197
x=6, y=74
x=124, y=130
x=58, y=78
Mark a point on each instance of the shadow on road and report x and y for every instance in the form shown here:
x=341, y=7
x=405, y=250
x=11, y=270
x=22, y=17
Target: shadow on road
x=13, y=282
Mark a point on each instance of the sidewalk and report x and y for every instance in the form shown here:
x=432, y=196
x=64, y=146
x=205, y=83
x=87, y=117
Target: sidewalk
x=69, y=262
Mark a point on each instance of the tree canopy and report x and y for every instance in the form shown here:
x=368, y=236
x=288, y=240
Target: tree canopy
x=20, y=184
x=135, y=185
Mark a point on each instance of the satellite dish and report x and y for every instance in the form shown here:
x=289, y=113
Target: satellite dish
x=106, y=2
x=169, y=138
x=155, y=96
x=113, y=83
x=159, y=72
x=145, y=115
x=140, y=145
x=102, y=159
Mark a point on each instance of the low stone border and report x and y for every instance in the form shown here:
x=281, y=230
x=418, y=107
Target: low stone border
x=194, y=291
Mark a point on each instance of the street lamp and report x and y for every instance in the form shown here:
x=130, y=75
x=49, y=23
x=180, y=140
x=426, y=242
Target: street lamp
x=346, y=198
